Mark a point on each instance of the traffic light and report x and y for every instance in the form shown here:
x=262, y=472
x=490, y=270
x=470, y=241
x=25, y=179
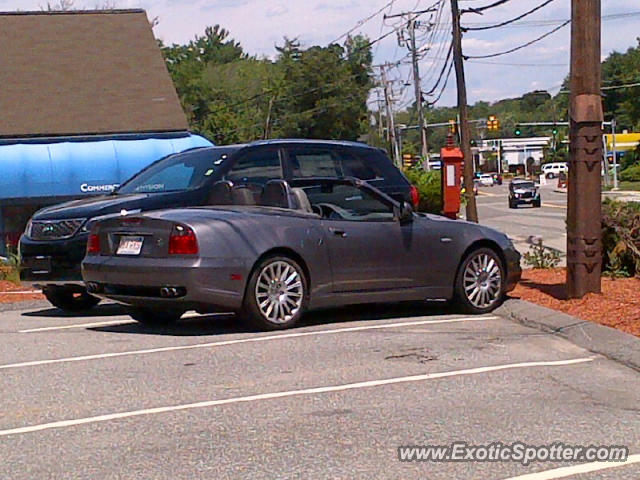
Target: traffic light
x=555, y=130
x=493, y=124
x=518, y=131
x=453, y=127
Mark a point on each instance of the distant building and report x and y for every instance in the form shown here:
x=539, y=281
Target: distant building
x=86, y=101
x=519, y=155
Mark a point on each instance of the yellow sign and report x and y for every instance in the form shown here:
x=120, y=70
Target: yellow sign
x=624, y=141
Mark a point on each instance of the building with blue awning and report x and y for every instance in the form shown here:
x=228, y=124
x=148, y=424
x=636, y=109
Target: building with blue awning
x=85, y=103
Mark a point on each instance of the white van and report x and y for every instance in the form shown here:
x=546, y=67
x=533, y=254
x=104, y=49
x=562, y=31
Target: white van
x=552, y=170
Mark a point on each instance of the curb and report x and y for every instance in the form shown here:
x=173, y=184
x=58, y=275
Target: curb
x=606, y=341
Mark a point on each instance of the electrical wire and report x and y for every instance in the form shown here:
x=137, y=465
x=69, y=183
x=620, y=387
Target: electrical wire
x=502, y=24
x=487, y=7
x=364, y=20
x=467, y=57
x=444, y=87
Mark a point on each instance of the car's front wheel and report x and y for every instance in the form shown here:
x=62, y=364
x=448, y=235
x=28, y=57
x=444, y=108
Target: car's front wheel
x=480, y=282
x=70, y=299
x=276, y=294
x=154, y=317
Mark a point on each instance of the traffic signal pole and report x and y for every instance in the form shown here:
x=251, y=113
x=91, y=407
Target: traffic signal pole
x=465, y=133
x=584, y=235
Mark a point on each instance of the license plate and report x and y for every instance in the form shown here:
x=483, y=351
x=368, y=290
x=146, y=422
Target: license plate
x=39, y=264
x=130, y=246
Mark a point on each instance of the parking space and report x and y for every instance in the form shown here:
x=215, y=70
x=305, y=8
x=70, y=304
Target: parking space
x=102, y=397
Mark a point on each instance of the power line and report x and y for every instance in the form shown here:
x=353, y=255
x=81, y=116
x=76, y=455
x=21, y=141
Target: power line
x=521, y=46
x=444, y=68
x=364, y=20
x=487, y=7
x=444, y=86
x=502, y=24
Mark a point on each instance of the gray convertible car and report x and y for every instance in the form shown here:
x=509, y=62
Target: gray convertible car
x=316, y=243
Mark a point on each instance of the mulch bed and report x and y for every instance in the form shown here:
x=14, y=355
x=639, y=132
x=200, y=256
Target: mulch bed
x=618, y=306
x=6, y=295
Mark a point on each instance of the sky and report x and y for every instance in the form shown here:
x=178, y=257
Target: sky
x=260, y=25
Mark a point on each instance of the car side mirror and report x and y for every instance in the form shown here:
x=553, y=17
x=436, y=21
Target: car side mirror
x=404, y=212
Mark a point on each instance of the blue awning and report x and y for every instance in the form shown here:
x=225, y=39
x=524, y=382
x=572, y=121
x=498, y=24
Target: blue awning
x=81, y=168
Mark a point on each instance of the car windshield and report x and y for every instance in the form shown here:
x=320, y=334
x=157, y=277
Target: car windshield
x=184, y=171
x=523, y=185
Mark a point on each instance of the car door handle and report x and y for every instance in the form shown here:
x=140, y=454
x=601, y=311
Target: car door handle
x=445, y=239
x=337, y=232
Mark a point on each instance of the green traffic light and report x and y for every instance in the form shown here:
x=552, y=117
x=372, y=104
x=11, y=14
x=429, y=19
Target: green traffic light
x=554, y=131
x=518, y=132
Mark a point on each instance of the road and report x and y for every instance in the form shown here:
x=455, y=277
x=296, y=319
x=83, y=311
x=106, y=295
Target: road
x=101, y=397
x=548, y=222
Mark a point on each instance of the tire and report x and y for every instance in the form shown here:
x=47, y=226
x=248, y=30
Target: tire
x=153, y=317
x=70, y=299
x=276, y=294
x=537, y=204
x=481, y=271
x=512, y=204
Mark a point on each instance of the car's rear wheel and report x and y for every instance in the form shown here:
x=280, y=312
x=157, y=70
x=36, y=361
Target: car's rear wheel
x=70, y=299
x=276, y=294
x=480, y=282
x=154, y=317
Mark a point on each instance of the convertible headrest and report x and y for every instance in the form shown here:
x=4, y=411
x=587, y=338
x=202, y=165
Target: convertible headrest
x=276, y=193
x=220, y=193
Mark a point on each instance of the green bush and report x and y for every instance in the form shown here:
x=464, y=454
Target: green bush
x=428, y=184
x=620, y=238
x=10, y=269
x=541, y=256
x=631, y=174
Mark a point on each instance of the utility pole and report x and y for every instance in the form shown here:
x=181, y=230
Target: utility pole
x=418, y=92
x=584, y=235
x=380, y=125
x=615, y=154
x=465, y=133
x=391, y=125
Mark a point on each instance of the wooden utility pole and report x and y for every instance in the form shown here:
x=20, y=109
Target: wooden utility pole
x=391, y=124
x=465, y=133
x=584, y=230
x=424, y=151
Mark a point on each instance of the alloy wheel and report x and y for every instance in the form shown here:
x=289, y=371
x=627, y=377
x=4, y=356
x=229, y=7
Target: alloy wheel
x=279, y=291
x=482, y=280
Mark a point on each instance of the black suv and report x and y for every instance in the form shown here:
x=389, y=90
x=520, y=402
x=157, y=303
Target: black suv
x=523, y=191
x=54, y=242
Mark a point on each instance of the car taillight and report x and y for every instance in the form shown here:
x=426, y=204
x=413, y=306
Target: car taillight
x=183, y=241
x=93, y=245
x=415, y=196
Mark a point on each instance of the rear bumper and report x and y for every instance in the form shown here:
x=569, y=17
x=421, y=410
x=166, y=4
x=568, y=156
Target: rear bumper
x=199, y=284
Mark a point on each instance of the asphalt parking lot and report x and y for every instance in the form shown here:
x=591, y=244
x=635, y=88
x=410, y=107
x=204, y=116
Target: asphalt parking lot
x=103, y=397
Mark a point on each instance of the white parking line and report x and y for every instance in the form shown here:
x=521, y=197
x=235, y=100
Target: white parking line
x=266, y=338
x=76, y=325
x=290, y=393
x=565, y=472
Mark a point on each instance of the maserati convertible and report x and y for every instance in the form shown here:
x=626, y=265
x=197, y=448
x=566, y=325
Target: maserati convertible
x=274, y=254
